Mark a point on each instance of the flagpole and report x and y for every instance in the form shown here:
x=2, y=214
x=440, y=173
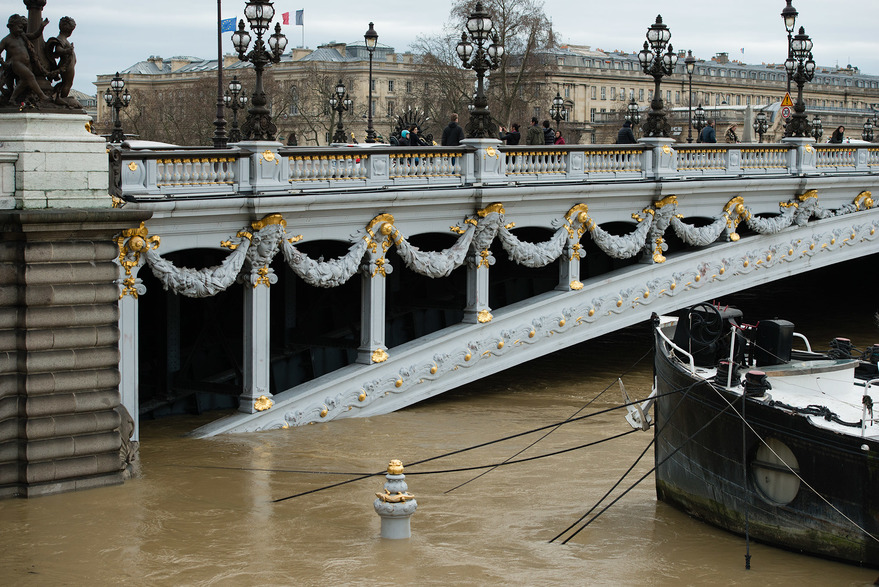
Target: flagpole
x=220, y=141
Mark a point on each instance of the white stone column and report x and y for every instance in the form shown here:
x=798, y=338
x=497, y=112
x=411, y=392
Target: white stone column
x=477, y=309
x=569, y=266
x=664, y=158
x=373, y=290
x=805, y=157
x=129, y=373
x=257, y=360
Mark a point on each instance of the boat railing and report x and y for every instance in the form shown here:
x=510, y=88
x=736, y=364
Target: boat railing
x=864, y=419
x=679, y=349
x=805, y=340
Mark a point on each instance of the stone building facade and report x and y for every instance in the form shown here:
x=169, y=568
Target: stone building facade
x=596, y=85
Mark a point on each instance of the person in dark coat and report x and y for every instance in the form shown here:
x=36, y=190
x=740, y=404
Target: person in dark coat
x=415, y=138
x=511, y=138
x=708, y=135
x=452, y=134
x=626, y=136
x=838, y=135
x=548, y=134
x=403, y=141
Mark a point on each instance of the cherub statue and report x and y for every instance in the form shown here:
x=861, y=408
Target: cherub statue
x=62, y=59
x=17, y=73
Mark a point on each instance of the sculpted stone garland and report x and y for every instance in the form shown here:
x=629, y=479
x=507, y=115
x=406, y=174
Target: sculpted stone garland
x=256, y=246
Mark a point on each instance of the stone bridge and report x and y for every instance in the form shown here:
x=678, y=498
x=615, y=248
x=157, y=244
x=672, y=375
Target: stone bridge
x=623, y=231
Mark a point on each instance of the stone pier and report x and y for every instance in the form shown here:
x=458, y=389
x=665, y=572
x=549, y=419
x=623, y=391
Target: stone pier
x=61, y=424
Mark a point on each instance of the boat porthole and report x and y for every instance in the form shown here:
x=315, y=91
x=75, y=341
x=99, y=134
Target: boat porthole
x=775, y=471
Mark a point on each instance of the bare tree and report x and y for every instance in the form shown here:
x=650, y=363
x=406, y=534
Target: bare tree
x=169, y=114
x=517, y=87
x=301, y=104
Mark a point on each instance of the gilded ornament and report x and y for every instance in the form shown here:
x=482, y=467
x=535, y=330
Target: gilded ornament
x=398, y=383
x=433, y=370
x=500, y=345
x=576, y=285
x=768, y=257
x=833, y=241
x=666, y=149
x=745, y=264
x=468, y=356
x=865, y=198
x=790, y=251
x=268, y=155
x=263, y=278
x=812, y=247
x=484, y=316
x=133, y=166
x=324, y=412
x=497, y=208
x=379, y=356
x=395, y=467
x=562, y=322
x=491, y=152
x=673, y=285
x=269, y=220
x=591, y=312
x=619, y=303
x=116, y=202
x=647, y=294
x=362, y=396
x=531, y=334
x=808, y=148
x=722, y=270
x=262, y=403
x=698, y=278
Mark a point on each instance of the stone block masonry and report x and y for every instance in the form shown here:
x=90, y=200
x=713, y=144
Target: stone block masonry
x=59, y=355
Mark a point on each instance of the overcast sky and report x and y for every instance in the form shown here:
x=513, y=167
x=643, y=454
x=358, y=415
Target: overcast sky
x=112, y=35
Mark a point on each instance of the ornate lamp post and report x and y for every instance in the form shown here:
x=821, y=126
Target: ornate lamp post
x=371, y=38
x=789, y=15
x=867, y=133
x=258, y=125
x=340, y=102
x=483, y=59
x=761, y=125
x=657, y=63
x=817, y=128
x=235, y=99
x=690, y=62
x=117, y=100
x=558, y=112
x=699, y=119
x=633, y=112
x=801, y=68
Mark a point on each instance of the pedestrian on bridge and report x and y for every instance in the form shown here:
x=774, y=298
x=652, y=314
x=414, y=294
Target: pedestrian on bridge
x=708, y=135
x=626, y=136
x=548, y=134
x=512, y=137
x=559, y=139
x=731, y=136
x=534, y=136
x=838, y=135
x=452, y=134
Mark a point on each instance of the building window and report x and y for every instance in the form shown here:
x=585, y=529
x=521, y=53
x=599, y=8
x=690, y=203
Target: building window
x=592, y=92
x=622, y=93
x=641, y=95
x=677, y=97
x=668, y=96
x=650, y=95
x=536, y=112
x=604, y=93
x=390, y=85
x=613, y=93
x=408, y=87
x=390, y=108
x=592, y=114
x=372, y=85
x=567, y=91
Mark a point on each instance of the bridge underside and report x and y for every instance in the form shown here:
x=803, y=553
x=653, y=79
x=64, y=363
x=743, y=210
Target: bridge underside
x=555, y=319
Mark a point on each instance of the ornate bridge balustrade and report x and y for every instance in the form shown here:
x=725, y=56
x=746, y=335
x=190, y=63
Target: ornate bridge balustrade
x=180, y=173
x=626, y=204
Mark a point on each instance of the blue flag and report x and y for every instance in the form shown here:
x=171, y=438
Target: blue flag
x=227, y=25
x=299, y=17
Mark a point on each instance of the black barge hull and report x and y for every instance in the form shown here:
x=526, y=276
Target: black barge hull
x=700, y=470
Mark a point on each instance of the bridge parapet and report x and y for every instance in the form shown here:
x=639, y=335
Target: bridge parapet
x=139, y=174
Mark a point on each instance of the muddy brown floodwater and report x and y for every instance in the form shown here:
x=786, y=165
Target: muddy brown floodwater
x=204, y=512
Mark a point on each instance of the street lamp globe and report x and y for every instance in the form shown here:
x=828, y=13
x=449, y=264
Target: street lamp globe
x=658, y=60
x=480, y=49
x=241, y=38
x=259, y=14
x=817, y=128
x=867, y=133
x=789, y=14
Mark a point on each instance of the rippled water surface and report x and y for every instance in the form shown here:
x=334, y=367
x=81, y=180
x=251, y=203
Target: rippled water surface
x=204, y=513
